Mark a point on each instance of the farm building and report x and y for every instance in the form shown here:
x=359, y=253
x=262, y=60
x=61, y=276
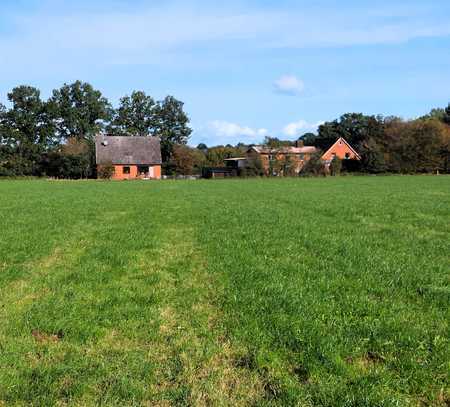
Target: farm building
x=342, y=150
x=296, y=156
x=131, y=157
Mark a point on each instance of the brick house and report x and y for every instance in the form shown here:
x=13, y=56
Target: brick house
x=132, y=157
x=296, y=157
x=342, y=150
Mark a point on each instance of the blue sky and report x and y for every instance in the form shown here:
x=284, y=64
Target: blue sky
x=245, y=69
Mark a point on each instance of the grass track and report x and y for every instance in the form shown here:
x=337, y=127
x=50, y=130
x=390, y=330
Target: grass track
x=320, y=292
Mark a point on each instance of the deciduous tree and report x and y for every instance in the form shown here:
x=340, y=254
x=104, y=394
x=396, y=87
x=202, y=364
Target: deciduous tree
x=79, y=110
x=136, y=115
x=171, y=125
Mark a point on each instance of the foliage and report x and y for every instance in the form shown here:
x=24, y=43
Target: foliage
x=57, y=164
x=274, y=142
x=215, y=156
x=26, y=131
x=354, y=127
x=314, y=166
x=253, y=168
x=308, y=139
x=136, y=115
x=417, y=146
x=336, y=166
x=186, y=160
x=202, y=147
x=79, y=110
x=106, y=171
x=36, y=135
x=194, y=300
x=372, y=157
x=446, y=118
x=171, y=125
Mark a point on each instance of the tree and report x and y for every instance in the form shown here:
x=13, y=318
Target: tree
x=314, y=166
x=186, y=160
x=27, y=131
x=438, y=114
x=336, y=166
x=417, y=146
x=274, y=142
x=202, y=147
x=253, y=168
x=79, y=110
x=354, y=127
x=372, y=157
x=447, y=115
x=216, y=155
x=136, y=115
x=106, y=171
x=308, y=139
x=171, y=125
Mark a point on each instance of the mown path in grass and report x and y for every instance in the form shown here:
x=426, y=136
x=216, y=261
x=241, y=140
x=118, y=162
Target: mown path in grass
x=254, y=292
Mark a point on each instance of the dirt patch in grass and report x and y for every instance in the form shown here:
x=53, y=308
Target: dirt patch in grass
x=43, y=337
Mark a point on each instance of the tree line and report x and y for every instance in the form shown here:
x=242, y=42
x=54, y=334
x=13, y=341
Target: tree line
x=385, y=144
x=55, y=137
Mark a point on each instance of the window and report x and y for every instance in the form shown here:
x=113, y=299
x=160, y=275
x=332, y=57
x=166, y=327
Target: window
x=347, y=156
x=143, y=169
x=126, y=170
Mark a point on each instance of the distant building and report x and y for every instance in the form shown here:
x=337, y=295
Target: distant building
x=132, y=157
x=342, y=150
x=296, y=157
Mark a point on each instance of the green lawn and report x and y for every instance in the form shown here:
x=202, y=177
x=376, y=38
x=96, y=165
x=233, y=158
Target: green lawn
x=310, y=292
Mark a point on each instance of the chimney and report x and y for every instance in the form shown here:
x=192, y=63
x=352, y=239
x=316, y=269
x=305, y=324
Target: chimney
x=299, y=143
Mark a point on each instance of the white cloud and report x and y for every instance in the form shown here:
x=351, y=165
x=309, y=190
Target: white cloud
x=302, y=126
x=227, y=129
x=223, y=132
x=289, y=85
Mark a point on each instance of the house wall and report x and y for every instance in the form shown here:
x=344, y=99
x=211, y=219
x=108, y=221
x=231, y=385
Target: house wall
x=119, y=174
x=297, y=160
x=340, y=149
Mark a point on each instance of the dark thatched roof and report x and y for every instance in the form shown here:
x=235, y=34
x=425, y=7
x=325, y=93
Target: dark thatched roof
x=127, y=150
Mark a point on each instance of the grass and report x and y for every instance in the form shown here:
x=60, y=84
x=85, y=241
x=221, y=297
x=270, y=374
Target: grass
x=310, y=292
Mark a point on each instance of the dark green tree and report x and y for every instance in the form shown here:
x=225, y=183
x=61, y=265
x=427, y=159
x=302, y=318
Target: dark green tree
x=308, y=139
x=171, y=125
x=202, y=147
x=79, y=110
x=372, y=157
x=26, y=131
x=438, y=114
x=314, y=166
x=136, y=115
x=335, y=166
x=354, y=127
x=447, y=115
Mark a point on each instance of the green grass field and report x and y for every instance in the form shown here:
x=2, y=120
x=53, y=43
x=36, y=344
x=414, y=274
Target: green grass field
x=309, y=292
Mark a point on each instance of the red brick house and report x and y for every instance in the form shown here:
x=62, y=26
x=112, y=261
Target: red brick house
x=342, y=150
x=296, y=156
x=132, y=157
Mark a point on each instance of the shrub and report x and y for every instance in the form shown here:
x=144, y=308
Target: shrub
x=314, y=166
x=105, y=171
x=336, y=166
